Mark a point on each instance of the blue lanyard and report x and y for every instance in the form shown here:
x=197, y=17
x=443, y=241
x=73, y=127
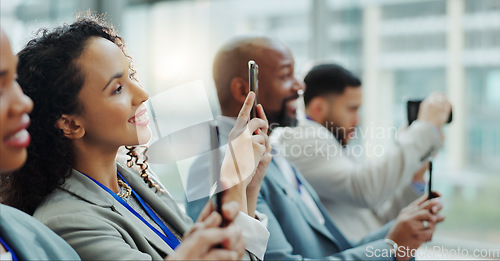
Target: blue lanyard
x=14, y=257
x=170, y=239
x=299, y=184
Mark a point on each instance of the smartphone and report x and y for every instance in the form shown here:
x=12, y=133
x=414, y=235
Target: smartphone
x=215, y=190
x=431, y=194
x=253, y=83
x=412, y=109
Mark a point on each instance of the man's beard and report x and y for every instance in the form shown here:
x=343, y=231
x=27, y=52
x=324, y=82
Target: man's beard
x=283, y=119
x=340, y=133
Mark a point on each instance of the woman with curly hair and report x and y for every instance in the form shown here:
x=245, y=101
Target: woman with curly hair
x=87, y=105
x=21, y=236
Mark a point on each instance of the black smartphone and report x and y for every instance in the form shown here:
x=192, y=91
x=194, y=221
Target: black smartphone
x=216, y=192
x=253, y=83
x=412, y=109
x=431, y=194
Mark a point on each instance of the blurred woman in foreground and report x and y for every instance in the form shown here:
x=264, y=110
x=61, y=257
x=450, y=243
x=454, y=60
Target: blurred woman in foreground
x=21, y=236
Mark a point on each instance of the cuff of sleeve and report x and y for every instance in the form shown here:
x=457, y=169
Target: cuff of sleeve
x=419, y=187
x=435, y=129
x=262, y=218
x=254, y=233
x=419, y=142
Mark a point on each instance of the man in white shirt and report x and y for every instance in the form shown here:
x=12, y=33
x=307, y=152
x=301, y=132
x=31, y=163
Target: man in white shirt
x=360, y=196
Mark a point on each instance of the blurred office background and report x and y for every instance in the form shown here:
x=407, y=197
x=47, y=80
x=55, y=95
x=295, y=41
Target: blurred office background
x=401, y=49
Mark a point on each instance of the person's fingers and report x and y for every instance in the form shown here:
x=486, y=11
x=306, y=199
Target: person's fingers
x=255, y=124
x=244, y=114
x=205, y=212
x=425, y=235
x=214, y=236
x=426, y=225
x=434, y=205
x=265, y=137
x=213, y=220
x=230, y=210
x=423, y=215
x=267, y=153
x=222, y=254
x=259, y=139
x=419, y=201
x=235, y=242
x=439, y=218
x=261, y=114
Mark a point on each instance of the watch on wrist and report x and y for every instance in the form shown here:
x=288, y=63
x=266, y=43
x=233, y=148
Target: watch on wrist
x=392, y=244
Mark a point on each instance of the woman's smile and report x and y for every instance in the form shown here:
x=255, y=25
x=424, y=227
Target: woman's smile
x=19, y=138
x=141, y=118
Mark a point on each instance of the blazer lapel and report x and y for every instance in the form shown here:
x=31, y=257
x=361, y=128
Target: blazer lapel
x=338, y=237
x=162, y=204
x=149, y=234
x=294, y=195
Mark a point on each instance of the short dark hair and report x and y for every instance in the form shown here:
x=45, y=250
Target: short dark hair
x=328, y=79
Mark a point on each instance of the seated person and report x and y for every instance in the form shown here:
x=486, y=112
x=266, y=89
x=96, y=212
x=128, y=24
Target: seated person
x=354, y=191
x=299, y=226
x=87, y=105
x=21, y=236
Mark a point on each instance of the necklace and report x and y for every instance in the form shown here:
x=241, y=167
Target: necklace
x=128, y=190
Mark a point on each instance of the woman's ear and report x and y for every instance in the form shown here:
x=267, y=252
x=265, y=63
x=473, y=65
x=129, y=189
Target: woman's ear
x=71, y=127
x=239, y=89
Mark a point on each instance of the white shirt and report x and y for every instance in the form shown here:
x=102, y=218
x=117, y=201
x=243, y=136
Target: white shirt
x=7, y=256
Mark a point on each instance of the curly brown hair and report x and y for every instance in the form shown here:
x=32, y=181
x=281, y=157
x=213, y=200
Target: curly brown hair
x=48, y=73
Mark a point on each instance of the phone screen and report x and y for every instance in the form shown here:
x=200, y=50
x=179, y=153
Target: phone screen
x=253, y=83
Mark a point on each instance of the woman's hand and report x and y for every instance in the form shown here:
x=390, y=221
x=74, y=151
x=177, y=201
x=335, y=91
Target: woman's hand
x=248, y=143
x=208, y=241
x=253, y=187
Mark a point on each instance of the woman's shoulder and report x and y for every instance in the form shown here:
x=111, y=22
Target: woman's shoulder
x=63, y=203
x=28, y=236
x=12, y=217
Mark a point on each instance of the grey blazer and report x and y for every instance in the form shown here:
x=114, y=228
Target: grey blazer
x=30, y=239
x=99, y=227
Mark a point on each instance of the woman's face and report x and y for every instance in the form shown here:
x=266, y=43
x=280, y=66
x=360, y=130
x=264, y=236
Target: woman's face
x=14, y=109
x=114, y=112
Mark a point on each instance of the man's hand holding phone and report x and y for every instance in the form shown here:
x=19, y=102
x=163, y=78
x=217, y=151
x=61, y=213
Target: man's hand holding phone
x=435, y=109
